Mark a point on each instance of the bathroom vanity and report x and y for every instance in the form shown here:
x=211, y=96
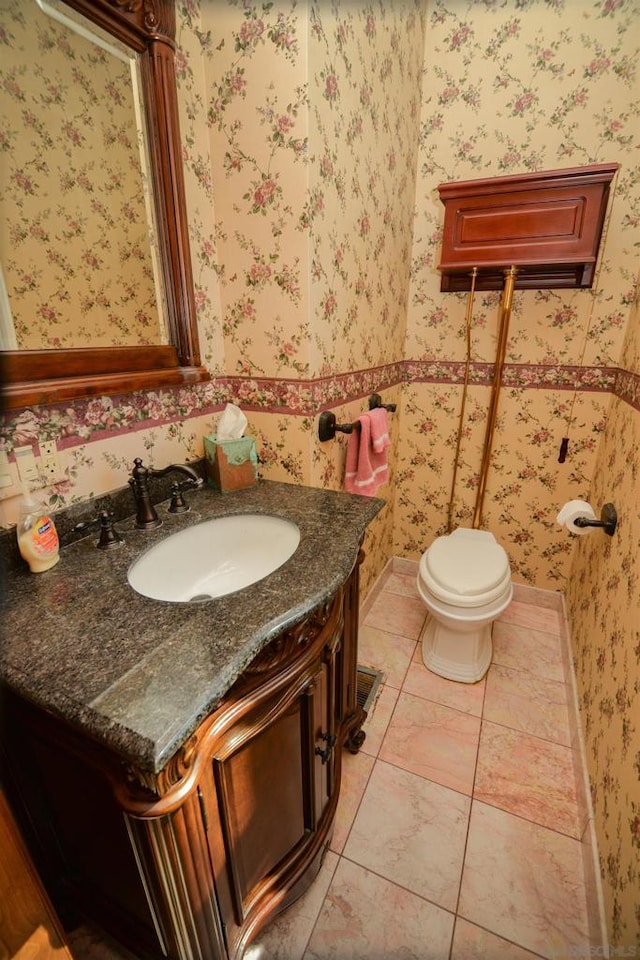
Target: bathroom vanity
x=178, y=764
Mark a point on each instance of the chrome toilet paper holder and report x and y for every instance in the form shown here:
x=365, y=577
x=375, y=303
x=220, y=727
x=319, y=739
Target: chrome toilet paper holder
x=608, y=520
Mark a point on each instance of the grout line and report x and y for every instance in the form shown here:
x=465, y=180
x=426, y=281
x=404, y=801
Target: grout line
x=359, y=804
x=520, y=816
x=401, y=886
x=324, y=899
x=499, y=936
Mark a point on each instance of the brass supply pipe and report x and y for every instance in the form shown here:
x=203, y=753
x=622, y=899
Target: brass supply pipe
x=463, y=402
x=503, y=333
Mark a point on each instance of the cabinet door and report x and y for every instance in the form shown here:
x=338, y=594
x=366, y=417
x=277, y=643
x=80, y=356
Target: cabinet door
x=265, y=791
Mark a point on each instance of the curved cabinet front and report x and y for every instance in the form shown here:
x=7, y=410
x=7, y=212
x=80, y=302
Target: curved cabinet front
x=233, y=829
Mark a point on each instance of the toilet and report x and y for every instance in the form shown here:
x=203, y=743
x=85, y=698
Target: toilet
x=464, y=579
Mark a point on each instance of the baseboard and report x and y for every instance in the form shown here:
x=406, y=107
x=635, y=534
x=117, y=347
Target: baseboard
x=376, y=587
x=550, y=599
x=590, y=857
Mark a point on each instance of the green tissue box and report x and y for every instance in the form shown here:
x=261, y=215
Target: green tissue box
x=231, y=464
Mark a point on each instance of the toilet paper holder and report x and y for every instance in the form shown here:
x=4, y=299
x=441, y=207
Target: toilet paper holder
x=608, y=520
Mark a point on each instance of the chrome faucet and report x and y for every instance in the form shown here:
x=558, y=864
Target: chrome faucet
x=146, y=516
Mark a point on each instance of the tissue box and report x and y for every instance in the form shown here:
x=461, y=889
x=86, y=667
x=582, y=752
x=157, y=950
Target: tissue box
x=231, y=464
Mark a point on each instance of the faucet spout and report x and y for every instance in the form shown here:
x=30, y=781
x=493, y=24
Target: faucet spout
x=176, y=468
x=146, y=514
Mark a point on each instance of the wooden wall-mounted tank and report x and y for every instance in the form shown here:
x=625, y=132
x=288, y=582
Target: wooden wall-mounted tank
x=547, y=224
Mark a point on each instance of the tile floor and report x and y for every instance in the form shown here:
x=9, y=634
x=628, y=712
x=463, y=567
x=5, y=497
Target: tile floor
x=458, y=831
x=457, y=835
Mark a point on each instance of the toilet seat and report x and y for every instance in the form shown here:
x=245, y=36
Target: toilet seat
x=466, y=568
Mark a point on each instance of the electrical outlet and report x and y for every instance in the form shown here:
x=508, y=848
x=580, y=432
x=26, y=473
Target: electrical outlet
x=49, y=462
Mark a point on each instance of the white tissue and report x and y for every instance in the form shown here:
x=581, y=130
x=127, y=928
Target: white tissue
x=570, y=513
x=232, y=423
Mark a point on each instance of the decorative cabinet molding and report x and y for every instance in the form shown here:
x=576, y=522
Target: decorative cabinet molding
x=194, y=860
x=547, y=224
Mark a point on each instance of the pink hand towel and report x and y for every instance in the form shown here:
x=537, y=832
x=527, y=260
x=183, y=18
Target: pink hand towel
x=366, y=466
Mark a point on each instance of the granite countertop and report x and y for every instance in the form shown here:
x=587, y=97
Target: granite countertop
x=139, y=675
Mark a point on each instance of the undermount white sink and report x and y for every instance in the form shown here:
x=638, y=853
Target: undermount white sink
x=214, y=558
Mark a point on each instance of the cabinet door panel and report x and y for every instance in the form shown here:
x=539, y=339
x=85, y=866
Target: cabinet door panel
x=260, y=786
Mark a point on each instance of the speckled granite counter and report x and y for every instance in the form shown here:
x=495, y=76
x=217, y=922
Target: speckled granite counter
x=139, y=675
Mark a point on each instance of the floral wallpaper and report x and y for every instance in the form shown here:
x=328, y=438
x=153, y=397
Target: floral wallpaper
x=315, y=136
x=603, y=600
x=365, y=67
x=495, y=77
x=75, y=247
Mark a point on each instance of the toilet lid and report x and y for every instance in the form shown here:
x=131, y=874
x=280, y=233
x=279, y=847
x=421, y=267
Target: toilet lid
x=467, y=567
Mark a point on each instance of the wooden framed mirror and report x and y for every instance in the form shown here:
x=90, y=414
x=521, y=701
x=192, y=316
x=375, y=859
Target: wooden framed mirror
x=49, y=375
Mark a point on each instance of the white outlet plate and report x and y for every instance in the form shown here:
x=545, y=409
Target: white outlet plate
x=49, y=462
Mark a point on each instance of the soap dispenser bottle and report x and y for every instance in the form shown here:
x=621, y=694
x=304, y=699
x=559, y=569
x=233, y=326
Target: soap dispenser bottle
x=37, y=536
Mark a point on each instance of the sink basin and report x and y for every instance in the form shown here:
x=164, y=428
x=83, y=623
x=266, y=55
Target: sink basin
x=214, y=558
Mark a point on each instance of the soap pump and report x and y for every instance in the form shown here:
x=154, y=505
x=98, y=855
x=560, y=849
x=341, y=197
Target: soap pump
x=37, y=536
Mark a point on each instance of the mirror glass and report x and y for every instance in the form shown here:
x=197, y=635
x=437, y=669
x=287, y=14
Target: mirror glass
x=77, y=229
x=131, y=345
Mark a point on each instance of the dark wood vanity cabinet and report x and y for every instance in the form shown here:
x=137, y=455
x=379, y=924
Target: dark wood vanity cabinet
x=193, y=861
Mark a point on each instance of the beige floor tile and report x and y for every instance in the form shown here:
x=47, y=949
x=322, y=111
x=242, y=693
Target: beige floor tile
x=411, y=831
x=525, y=702
x=531, y=615
x=377, y=722
x=385, y=651
x=433, y=741
x=525, y=883
x=473, y=943
x=368, y=918
x=527, y=776
x=421, y=682
x=356, y=770
x=286, y=937
x=402, y=616
x=524, y=648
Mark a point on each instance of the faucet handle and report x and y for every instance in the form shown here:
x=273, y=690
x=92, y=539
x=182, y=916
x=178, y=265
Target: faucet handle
x=109, y=536
x=178, y=503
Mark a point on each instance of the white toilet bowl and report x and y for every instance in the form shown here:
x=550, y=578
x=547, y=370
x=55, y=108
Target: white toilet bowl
x=465, y=581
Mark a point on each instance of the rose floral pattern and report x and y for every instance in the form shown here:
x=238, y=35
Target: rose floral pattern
x=314, y=139
x=603, y=600
x=76, y=250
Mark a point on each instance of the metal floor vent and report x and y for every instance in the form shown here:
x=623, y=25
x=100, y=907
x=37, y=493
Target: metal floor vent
x=368, y=681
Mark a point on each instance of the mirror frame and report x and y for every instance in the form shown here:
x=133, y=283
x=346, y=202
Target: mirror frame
x=48, y=376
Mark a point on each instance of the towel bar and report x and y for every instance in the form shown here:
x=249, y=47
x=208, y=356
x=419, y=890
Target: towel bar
x=375, y=400
x=328, y=427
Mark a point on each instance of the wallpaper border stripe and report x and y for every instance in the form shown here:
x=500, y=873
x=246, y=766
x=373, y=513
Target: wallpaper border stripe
x=83, y=421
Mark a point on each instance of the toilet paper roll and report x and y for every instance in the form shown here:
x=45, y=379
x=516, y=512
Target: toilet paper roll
x=570, y=513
